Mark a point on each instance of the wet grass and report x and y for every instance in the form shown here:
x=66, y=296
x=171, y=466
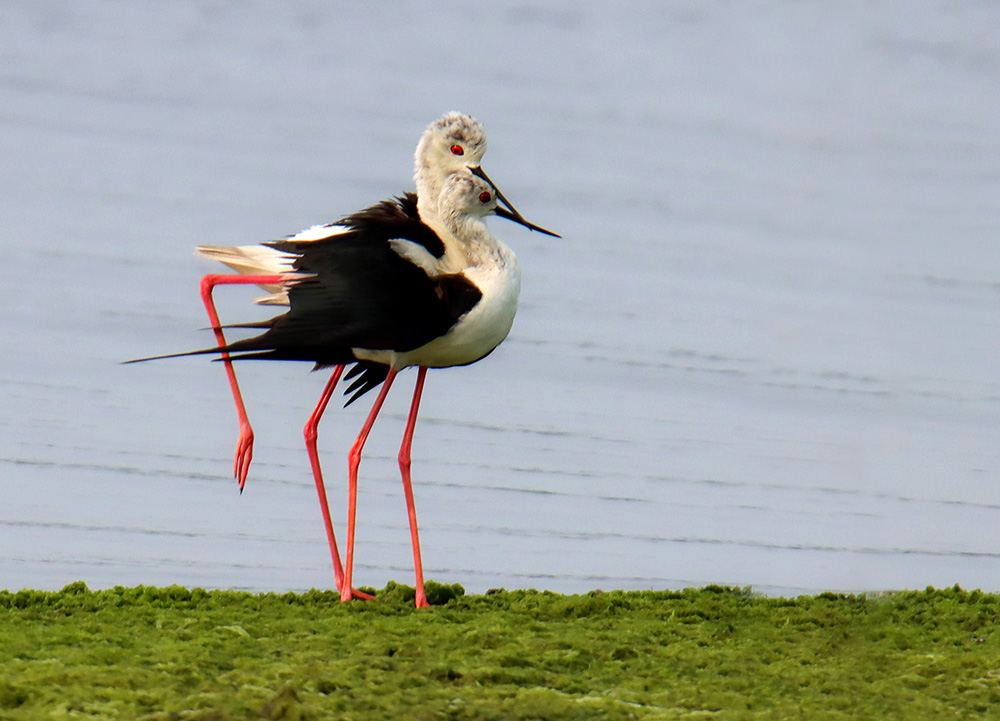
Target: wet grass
x=175, y=653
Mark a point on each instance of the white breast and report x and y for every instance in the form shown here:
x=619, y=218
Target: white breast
x=479, y=331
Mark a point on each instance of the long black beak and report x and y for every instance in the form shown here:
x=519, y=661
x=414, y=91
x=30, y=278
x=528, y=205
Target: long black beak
x=511, y=212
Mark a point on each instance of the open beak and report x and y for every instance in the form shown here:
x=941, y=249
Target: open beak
x=510, y=213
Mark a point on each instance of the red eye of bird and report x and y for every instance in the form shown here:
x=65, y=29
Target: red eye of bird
x=457, y=150
x=484, y=197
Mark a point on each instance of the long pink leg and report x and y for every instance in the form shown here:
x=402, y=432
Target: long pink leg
x=404, y=467
x=310, y=433
x=353, y=461
x=244, y=446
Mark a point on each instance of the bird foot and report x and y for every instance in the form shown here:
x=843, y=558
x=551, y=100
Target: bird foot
x=244, y=454
x=350, y=595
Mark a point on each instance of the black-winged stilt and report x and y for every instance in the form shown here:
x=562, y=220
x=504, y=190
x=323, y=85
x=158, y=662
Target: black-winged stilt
x=417, y=280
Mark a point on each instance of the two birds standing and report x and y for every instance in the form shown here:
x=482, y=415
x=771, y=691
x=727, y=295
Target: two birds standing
x=413, y=281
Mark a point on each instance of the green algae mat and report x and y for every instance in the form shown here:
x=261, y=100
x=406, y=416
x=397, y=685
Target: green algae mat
x=714, y=653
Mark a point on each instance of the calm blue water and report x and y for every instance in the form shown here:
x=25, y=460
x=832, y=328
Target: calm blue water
x=765, y=353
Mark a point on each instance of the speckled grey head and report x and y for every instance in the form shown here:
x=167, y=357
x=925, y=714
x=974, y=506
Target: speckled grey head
x=467, y=197
x=454, y=143
x=465, y=194
x=450, y=144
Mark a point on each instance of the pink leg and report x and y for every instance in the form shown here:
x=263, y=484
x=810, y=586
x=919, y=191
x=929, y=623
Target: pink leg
x=310, y=433
x=244, y=446
x=353, y=461
x=404, y=467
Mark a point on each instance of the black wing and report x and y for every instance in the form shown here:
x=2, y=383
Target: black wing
x=362, y=294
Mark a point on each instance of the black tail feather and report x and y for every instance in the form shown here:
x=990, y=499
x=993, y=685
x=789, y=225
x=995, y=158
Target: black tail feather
x=366, y=375
x=203, y=351
x=256, y=324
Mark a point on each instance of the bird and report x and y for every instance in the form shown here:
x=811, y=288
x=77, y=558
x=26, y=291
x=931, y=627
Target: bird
x=413, y=281
x=452, y=143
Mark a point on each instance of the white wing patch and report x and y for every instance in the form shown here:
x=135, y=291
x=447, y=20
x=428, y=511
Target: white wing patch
x=256, y=260
x=249, y=259
x=318, y=232
x=416, y=254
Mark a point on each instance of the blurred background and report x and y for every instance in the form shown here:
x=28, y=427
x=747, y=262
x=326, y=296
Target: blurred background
x=765, y=351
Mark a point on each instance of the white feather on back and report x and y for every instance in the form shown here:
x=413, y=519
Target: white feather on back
x=254, y=260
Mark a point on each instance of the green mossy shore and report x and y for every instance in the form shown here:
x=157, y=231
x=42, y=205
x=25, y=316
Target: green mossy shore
x=712, y=653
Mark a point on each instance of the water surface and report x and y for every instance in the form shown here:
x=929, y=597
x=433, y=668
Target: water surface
x=765, y=352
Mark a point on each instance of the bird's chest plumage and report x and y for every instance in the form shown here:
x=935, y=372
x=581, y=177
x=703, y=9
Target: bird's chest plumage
x=486, y=325
x=481, y=329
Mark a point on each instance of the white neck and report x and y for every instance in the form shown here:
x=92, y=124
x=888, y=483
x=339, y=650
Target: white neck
x=474, y=240
x=428, y=184
x=428, y=190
